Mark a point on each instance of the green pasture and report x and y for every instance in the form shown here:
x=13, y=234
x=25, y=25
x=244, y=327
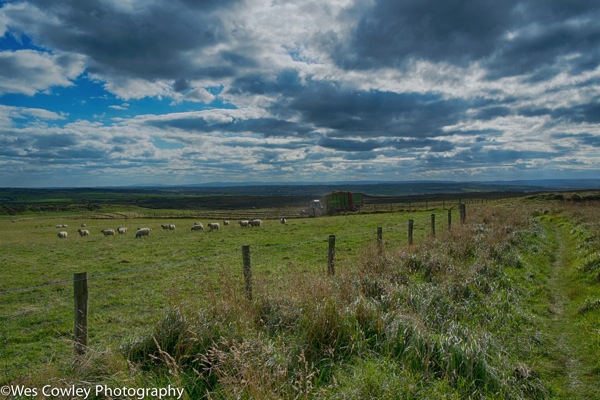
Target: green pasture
x=503, y=307
x=132, y=282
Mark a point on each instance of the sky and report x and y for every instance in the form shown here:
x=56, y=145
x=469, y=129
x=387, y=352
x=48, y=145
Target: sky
x=134, y=92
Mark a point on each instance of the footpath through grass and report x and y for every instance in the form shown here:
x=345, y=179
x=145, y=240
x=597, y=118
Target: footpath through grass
x=562, y=282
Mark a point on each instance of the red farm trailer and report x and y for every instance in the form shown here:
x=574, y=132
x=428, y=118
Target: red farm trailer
x=337, y=202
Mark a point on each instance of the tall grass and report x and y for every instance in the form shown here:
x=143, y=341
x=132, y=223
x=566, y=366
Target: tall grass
x=440, y=319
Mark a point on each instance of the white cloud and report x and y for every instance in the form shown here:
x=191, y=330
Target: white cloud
x=29, y=71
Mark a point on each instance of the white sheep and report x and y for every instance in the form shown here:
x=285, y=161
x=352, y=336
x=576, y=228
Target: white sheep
x=214, y=226
x=121, y=230
x=164, y=226
x=61, y=226
x=225, y=222
x=62, y=235
x=142, y=232
x=83, y=232
x=171, y=227
x=198, y=226
x=256, y=222
x=283, y=221
x=83, y=225
x=244, y=223
x=108, y=232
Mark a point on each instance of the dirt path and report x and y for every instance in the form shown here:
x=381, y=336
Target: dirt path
x=572, y=379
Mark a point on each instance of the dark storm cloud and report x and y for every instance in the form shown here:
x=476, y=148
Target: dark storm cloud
x=350, y=112
x=265, y=126
x=149, y=41
x=509, y=37
x=353, y=145
x=392, y=33
x=376, y=113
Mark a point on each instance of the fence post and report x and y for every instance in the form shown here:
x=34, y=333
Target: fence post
x=80, y=296
x=433, y=225
x=463, y=212
x=410, y=231
x=247, y=271
x=380, y=238
x=449, y=219
x=331, y=256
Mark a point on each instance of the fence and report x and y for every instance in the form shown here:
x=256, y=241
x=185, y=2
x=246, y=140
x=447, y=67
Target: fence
x=109, y=307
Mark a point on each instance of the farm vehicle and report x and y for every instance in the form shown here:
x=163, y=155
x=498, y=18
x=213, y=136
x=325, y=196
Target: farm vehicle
x=335, y=203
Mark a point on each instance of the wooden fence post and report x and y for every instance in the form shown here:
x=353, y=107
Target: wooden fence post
x=410, y=231
x=449, y=219
x=433, y=225
x=247, y=271
x=380, y=238
x=331, y=256
x=80, y=290
x=463, y=212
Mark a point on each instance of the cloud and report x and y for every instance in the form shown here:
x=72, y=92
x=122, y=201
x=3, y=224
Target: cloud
x=233, y=90
x=28, y=71
x=149, y=41
x=390, y=33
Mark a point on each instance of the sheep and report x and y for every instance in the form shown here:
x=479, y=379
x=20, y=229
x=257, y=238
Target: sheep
x=214, y=226
x=171, y=227
x=142, y=232
x=164, y=226
x=83, y=232
x=61, y=226
x=198, y=227
x=83, y=225
x=256, y=222
x=225, y=222
x=108, y=232
x=121, y=230
x=244, y=223
x=283, y=221
x=62, y=235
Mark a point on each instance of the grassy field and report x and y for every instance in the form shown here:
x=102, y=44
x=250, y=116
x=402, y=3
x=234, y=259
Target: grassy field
x=506, y=306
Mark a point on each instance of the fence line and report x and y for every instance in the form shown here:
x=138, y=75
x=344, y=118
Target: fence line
x=80, y=295
x=395, y=227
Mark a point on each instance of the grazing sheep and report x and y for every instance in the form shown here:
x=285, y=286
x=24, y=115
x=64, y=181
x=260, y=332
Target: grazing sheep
x=171, y=227
x=256, y=222
x=225, y=222
x=83, y=225
x=244, y=223
x=214, y=226
x=83, y=232
x=198, y=227
x=108, y=232
x=61, y=226
x=164, y=226
x=62, y=235
x=121, y=230
x=283, y=221
x=142, y=232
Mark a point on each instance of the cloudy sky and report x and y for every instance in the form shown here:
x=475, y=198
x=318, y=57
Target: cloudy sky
x=118, y=92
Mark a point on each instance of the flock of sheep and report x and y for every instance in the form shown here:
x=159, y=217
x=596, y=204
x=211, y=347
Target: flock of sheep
x=198, y=226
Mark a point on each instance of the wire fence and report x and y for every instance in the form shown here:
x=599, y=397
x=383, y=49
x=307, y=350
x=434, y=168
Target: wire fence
x=128, y=302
